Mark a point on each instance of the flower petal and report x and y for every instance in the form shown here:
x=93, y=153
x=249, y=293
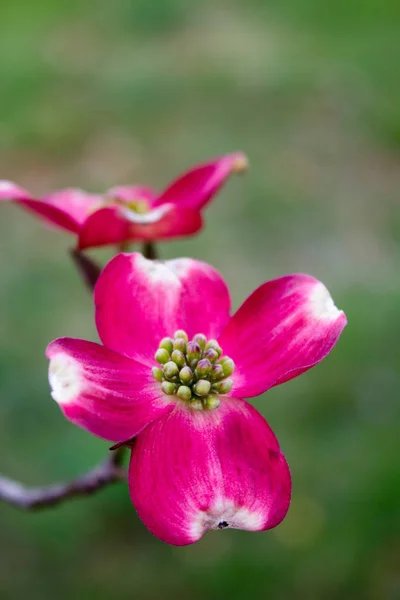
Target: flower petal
x=163, y=222
x=77, y=203
x=140, y=301
x=107, y=394
x=194, y=471
x=284, y=328
x=115, y=224
x=102, y=227
x=50, y=212
x=132, y=193
x=197, y=186
x=12, y=191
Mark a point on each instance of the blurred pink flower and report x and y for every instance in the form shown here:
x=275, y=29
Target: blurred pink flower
x=173, y=373
x=134, y=213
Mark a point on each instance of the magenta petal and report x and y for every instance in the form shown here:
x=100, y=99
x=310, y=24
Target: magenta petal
x=75, y=202
x=139, y=301
x=197, y=186
x=284, y=328
x=12, y=191
x=105, y=393
x=163, y=222
x=115, y=224
x=194, y=471
x=48, y=211
x=104, y=226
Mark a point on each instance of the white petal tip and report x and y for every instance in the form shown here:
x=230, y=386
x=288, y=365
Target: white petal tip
x=7, y=187
x=323, y=307
x=64, y=378
x=157, y=271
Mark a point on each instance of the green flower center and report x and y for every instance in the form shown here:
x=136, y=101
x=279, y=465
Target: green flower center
x=195, y=371
x=138, y=206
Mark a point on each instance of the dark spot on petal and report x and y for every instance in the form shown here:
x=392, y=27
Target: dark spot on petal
x=222, y=525
x=273, y=454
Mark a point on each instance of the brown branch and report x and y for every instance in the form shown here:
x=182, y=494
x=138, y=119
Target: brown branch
x=149, y=250
x=108, y=472
x=34, y=498
x=88, y=268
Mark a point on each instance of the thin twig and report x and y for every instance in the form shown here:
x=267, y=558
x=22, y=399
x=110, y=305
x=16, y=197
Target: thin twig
x=104, y=474
x=149, y=250
x=34, y=498
x=88, y=268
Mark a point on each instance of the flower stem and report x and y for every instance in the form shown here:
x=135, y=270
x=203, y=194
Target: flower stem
x=33, y=498
x=149, y=250
x=87, y=268
x=108, y=472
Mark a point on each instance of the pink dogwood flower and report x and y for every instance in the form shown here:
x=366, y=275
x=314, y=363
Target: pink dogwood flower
x=134, y=213
x=171, y=379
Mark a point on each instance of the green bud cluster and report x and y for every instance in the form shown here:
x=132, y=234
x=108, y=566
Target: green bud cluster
x=195, y=371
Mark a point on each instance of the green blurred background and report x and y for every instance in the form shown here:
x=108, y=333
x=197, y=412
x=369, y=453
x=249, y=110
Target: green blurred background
x=98, y=93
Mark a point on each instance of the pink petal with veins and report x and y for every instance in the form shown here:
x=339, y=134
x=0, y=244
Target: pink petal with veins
x=196, y=187
x=194, y=471
x=140, y=301
x=284, y=328
x=107, y=394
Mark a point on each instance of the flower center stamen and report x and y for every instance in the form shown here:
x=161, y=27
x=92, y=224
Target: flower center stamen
x=138, y=205
x=195, y=371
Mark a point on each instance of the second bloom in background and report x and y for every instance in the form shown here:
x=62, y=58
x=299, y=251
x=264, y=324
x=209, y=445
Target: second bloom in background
x=170, y=380
x=131, y=213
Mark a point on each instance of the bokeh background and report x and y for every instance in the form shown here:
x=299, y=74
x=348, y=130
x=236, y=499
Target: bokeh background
x=98, y=93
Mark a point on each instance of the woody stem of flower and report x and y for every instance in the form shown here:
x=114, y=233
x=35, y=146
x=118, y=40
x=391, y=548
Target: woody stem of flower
x=109, y=471
x=34, y=498
x=149, y=250
x=87, y=268
x=90, y=270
